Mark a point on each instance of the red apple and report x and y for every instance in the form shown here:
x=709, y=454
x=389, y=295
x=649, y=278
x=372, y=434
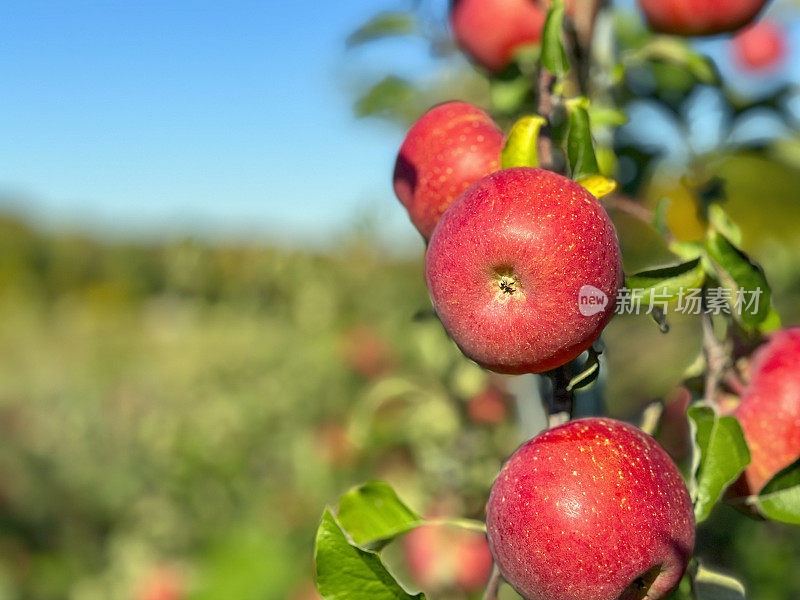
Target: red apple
x=333, y=445
x=523, y=270
x=699, y=17
x=489, y=406
x=491, y=31
x=673, y=429
x=163, y=583
x=770, y=409
x=592, y=510
x=447, y=150
x=443, y=558
x=760, y=47
x=366, y=352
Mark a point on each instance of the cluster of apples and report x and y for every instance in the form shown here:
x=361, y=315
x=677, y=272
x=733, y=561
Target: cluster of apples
x=509, y=251
x=594, y=509
x=491, y=32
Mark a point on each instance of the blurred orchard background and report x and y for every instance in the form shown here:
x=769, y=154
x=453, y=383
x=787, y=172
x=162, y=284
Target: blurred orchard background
x=212, y=314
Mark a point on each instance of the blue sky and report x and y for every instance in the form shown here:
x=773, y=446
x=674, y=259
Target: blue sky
x=212, y=117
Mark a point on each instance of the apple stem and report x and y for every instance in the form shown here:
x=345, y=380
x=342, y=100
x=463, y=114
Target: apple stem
x=493, y=585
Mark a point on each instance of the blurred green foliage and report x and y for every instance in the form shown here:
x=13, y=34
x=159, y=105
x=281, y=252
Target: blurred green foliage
x=189, y=409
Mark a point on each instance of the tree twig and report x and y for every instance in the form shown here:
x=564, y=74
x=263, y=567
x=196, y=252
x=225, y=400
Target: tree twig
x=717, y=360
x=493, y=585
x=545, y=109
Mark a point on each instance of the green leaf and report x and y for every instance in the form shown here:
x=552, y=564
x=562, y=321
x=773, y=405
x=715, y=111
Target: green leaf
x=779, y=500
x=666, y=283
x=603, y=116
x=554, y=58
x=589, y=374
x=712, y=585
x=660, y=218
x=744, y=278
x=346, y=572
x=383, y=25
x=719, y=456
x=580, y=147
x=679, y=53
x=389, y=97
x=373, y=514
x=720, y=221
x=508, y=95
x=771, y=323
x=598, y=185
x=520, y=146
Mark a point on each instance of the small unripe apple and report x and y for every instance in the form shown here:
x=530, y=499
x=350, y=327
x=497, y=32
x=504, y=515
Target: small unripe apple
x=760, y=47
x=441, y=558
x=699, y=17
x=523, y=270
x=591, y=510
x=447, y=150
x=770, y=409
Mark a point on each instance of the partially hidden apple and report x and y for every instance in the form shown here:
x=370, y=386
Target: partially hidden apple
x=699, y=17
x=523, y=270
x=442, y=558
x=490, y=32
x=448, y=149
x=760, y=48
x=770, y=409
x=591, y=510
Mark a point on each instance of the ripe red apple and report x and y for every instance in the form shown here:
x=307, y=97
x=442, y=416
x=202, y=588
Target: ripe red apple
x=489, y=406
x=447, y=150
x=491, y=31
x=591, y=510
x=441, y=558
x=770, y=409
x=523, y=270
x=699, y=17
x=760, y=47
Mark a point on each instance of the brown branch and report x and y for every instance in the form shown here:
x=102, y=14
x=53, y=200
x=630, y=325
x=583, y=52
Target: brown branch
x=545, y=109
x=734, y=382
x=717, y=359
x=493, y=585
x=634, y=208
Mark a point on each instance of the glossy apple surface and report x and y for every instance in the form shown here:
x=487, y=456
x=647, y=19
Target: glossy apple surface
x=592, y=510
x=448, y=149
x=523, y=270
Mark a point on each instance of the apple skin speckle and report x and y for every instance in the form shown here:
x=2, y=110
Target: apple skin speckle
x=506, y=265
x=622, y=527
